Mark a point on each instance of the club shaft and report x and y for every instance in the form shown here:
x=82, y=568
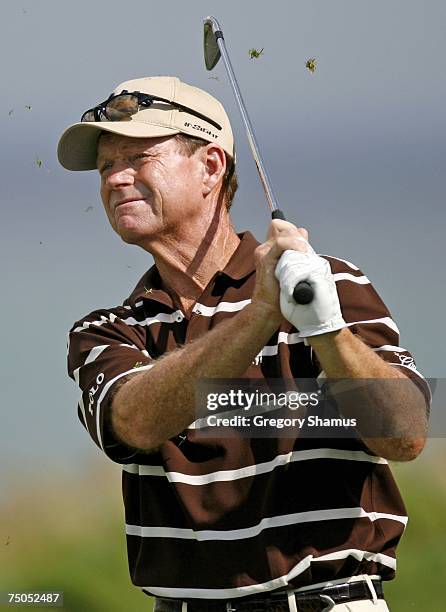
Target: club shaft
x=303, y=292
x=249, y=129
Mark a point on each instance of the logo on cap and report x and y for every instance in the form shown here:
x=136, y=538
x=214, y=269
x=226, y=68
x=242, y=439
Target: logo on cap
x=200, y=128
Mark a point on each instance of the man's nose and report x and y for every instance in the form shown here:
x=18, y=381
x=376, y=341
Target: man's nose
x=120, y=174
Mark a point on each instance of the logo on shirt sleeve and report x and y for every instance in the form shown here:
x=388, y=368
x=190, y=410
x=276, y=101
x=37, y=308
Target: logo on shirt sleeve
x=406, y=360
x=92, y=392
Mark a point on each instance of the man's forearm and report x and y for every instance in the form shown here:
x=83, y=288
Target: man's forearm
x=397, y=410
x=159, y=403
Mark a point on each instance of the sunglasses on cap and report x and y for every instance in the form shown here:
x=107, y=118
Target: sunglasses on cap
x=122, y=106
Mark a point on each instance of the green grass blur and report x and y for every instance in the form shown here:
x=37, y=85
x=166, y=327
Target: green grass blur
x=421, y=574
x=69, y=537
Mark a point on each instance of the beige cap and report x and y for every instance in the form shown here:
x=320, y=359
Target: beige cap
x=77, y=147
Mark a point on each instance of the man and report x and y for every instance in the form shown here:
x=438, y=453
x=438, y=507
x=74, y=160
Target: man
x=232, y=523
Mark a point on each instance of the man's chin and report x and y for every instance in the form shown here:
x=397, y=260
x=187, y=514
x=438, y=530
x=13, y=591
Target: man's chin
x=130, y=237
x=133, y=236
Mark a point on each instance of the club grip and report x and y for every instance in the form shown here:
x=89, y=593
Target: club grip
x=278, y=214
x=303, y=292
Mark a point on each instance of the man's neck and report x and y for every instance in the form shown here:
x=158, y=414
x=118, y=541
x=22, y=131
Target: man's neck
x=186, y=267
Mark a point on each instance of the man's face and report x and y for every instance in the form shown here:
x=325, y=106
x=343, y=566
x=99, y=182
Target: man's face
x=149, y=188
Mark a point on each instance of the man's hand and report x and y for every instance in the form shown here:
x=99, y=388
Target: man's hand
x=288, y=257
x=281, y=236
x=323, y=314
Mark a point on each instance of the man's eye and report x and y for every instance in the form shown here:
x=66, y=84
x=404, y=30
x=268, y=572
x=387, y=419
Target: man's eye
x=140, y=157
x=104, y=167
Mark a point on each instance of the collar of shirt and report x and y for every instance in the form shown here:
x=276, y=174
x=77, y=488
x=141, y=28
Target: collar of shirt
x=238, y=267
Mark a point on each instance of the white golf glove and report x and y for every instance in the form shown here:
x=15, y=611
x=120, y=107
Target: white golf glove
x=323, y=314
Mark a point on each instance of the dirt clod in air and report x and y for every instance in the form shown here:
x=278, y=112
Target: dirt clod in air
x=254, y=54
x=311, y=64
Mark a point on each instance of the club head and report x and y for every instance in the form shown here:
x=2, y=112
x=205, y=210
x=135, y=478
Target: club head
x=211, y=50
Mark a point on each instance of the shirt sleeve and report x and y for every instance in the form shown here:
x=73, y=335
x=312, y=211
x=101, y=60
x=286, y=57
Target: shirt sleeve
x=368, y=317
x=103, y=348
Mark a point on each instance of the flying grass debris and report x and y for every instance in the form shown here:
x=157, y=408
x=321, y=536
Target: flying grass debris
x=254, y=54
x=28, y=107
x=311, y=64
x=39, y=162
x=88, y=208
x=10, y=112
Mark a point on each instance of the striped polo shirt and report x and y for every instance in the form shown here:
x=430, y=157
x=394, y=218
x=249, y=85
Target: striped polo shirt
x=220, y=518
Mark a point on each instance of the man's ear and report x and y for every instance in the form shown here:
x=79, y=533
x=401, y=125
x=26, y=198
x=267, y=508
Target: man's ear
x=214, y=167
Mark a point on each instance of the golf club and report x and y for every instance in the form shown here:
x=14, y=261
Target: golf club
x=214, y=48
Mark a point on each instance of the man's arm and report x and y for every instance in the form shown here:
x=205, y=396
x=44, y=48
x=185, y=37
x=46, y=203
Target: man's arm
x=387, y=406
x=398, y=409
x=158, y=404
x=388, y=403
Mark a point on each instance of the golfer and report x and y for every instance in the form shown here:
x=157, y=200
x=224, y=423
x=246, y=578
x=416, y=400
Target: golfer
x=232, y=523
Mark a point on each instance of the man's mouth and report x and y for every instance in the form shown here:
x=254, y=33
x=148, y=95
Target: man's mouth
x=128, y=201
